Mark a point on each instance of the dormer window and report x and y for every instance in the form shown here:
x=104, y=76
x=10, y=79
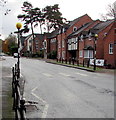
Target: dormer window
x=105, y=34
x=90, y=34
x=81, y=38
x=74, y=29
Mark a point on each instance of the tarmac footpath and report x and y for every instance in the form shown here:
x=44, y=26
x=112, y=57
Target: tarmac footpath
x=7, y=112
x=6, y=94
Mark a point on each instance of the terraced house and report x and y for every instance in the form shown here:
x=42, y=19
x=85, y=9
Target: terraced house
x=80, y=42
x=82, y=39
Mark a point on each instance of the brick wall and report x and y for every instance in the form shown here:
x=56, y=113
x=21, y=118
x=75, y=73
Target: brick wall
x=110, y=58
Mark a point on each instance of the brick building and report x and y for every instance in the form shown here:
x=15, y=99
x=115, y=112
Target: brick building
x=77, y=40
x=110, y=46
x=83, y=46
x=33, y=46
x=65, y=31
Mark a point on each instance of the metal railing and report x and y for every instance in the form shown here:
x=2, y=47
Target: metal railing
x=18, y=101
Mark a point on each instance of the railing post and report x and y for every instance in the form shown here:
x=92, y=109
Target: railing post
x=83, y=63
x=22, y=109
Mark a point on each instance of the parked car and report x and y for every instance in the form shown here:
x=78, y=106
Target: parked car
x=2, y=57
x=15, y=55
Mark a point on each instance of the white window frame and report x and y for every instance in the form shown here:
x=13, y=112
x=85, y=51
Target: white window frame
x=59, y=45
x=63, y=43
x=81, y=53
x=111, y=48
x=89, y=54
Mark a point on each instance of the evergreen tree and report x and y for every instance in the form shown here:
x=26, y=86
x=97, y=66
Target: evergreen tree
x=53, y=17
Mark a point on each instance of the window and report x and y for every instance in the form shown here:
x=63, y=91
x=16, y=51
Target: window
x=88, y=53
x=81, y=53
x=63, y=43
x=63, y=54
x=111, y=48
x=45, y=44
x=59, y=45
x=36, y=42
x=74, y=29
x=59, y=55
x=53, y=40
x=81, y=38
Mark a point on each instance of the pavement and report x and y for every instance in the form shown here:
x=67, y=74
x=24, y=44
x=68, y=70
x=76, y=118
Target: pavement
x=6, y=93
x=100, y=70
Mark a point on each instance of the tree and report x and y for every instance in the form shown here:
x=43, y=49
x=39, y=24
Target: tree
x=111, y=12
x=53, y=17
x=12, y=43
x=2, y=4
x=31, y=16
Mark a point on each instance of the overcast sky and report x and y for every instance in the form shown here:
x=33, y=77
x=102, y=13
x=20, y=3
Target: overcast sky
x=70, y=9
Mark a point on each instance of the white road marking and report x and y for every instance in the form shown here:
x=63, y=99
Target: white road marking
x=45, y=111
x=34, y=89
x=48, y=75
x=44, y=114
x=64, y=74
x=81, y=74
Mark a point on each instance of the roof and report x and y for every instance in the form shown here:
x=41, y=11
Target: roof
x=54, y=33
x=80, y=29
x=95, y=29
x=100, y=26
x=76, y=20
x=40, y=36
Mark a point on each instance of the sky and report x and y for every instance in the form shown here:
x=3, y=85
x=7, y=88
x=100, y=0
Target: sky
x=70, y=9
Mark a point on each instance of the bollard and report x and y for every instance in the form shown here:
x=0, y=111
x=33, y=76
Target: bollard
x=88, y=63
x=66, y=61
x=62, y=60
x=73, y=61
x=78, y=62
x=57, y=60
x=69, y=61
x=83, y=63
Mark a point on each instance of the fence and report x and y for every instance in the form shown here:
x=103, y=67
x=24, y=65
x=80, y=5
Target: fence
x=73, y=61
x=18, y=101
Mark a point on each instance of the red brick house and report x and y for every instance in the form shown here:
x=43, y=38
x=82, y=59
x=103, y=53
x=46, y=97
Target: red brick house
x=83, y=46
x=65, y=31
x=33, y=46
x=110, y=46
x=75, y=43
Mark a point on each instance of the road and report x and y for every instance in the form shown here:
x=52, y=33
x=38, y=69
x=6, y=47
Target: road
x=64, y=92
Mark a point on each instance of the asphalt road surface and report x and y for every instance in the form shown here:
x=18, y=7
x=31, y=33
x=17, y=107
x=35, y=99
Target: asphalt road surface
x=63, y=92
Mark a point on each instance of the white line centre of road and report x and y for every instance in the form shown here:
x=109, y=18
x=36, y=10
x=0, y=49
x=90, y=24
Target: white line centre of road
x=44, y=114
x=64, y=74
x=48, y=75
x=81, y=74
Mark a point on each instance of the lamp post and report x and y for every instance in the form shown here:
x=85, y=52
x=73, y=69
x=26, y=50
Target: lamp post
x=18, y=26
x=95, y=38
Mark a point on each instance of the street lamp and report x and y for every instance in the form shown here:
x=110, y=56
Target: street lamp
x=18, y=26
x=95, y=38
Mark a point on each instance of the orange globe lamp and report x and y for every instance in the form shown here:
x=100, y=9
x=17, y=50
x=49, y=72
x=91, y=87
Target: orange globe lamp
x=18, y=25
